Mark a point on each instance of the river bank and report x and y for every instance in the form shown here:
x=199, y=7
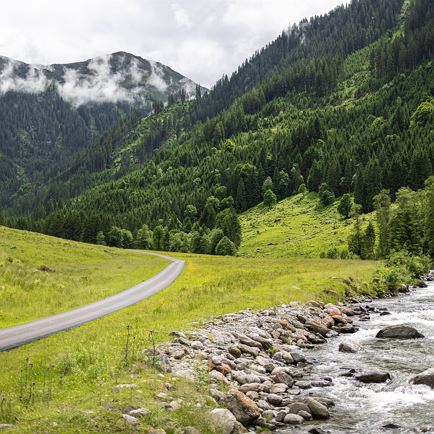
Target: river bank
x=306, y=368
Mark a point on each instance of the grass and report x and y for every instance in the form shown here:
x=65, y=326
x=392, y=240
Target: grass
x=295, y=227
x=41, y=275
x=72, y=377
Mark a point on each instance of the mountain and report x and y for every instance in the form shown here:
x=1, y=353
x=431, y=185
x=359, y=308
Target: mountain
x=115, y=78
x=344, y=108
x=49, y=113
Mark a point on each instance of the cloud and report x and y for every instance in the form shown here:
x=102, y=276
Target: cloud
x=200, y=39
x=34, y=82
x=181, y=17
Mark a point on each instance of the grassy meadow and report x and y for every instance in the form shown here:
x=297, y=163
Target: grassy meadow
x=66, y=383
x=298, y=226
x=41, y=275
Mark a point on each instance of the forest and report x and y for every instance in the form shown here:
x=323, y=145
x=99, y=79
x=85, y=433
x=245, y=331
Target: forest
x=339, y=105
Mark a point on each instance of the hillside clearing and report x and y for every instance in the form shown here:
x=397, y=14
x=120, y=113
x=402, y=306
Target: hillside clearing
x=298, y=226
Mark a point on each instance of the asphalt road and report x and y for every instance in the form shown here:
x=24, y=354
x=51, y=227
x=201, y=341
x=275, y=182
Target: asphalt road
x=13, y=337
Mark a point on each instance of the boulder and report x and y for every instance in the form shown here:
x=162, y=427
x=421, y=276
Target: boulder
x=293, y=419
x=373, y=377
x=242, y=407
x=131, y=420
x=348, y=347
x=317, y=410
x=274, y=399
x=425, y=377
x=223, y=420
x=296, y=407
x=140, y=412
x=399, y=332
x=317, y=327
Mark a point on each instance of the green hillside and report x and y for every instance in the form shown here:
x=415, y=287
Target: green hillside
x=354, y=115
x=42, y=275
x=298, y=226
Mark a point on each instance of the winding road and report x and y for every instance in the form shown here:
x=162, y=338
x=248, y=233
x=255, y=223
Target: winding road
x=13, y=337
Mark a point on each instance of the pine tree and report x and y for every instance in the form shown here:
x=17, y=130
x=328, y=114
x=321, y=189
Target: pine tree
x=382, y=204
x=345, y=205
x=270, y=199
x=100, y=238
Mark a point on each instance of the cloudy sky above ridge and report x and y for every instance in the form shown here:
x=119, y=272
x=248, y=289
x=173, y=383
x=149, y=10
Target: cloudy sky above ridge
x=202, y=39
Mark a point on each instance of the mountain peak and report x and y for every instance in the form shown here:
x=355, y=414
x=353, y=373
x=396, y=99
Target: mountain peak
x=116, y=77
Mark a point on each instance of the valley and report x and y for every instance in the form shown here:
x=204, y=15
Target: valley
x=183, y=260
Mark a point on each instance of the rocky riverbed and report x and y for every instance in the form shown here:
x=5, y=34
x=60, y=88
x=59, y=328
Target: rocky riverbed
x=264, y=370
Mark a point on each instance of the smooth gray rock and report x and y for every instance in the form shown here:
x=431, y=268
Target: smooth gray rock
x=223, y=420
x=348, y=347
x=399, y=332
x=425, y=377
x=373, y=377
x=317, y=410
x=293, y=419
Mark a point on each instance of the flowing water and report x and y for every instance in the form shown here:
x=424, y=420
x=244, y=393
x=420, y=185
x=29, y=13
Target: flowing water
x=366, y=408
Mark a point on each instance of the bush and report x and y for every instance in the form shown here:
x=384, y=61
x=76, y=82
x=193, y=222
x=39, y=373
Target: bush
x=345, y=206
x=270, y=199
x=325, y=195
x=215, y=237
x=226, y=247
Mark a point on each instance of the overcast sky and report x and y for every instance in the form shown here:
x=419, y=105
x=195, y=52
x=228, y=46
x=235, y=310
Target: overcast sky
x=202, y=39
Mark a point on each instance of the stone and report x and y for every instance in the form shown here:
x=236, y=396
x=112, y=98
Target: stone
x=217, y=395
x=125, y=386
x=190, y=430
x=178, y=354
x=242, y=407
x=348, y=347
x=197, y=345
x=317, y=410
x=157, y=431
x=243, y=378
x=390, y=425
x=274, y=399
x=245, y=349
x=250, y=387
x=373, y=377
x=235, y=351
x=399, y=332
x=5, y=425
x=278, y=388
x=223, y=420
x=317, y=430
x=283, y=377
x=252, y=395
x=298, y=357
x=296, y=407
x=293, y=419
x=131, y=420
x=425, y=377
x=303, y=384
x=218, y=376
x=317, y=327
x=174, y=406
x=140, y=412
x=305, y=415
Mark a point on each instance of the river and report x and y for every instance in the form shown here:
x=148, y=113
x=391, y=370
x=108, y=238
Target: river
x=367, y=408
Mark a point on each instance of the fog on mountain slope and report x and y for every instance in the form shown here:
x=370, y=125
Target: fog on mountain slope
x=113, y=78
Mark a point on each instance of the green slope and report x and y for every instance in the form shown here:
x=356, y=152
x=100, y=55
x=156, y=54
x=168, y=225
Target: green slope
x=298, y=226
x=42, y=275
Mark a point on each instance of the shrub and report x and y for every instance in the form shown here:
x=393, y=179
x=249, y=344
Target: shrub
x=226, y=247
